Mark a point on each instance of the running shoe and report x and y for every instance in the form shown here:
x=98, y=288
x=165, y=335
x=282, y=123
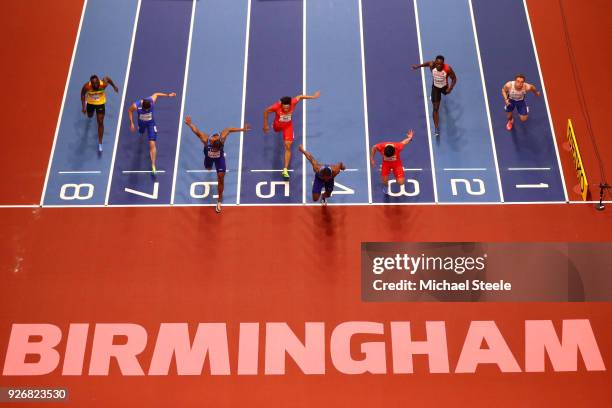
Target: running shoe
x=323, y=201
x=509, y=125
x=285, y=173
x=218, y=207
x=100, y=147
x=154, y=169
x=437, y=132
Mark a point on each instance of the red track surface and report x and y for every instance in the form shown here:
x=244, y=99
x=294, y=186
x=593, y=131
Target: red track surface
x=288, y=264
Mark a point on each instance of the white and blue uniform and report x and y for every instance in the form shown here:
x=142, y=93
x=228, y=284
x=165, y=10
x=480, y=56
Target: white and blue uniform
x=146, y=120
x=516, y=97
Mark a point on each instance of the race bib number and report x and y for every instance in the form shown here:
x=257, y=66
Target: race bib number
x=214, y=154
x=145, y=117
x=285, y=118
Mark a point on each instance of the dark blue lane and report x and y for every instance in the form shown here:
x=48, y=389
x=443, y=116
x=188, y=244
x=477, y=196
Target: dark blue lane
x=158, y=65
x=395, y=94
x=274, y=70
x=527, y=158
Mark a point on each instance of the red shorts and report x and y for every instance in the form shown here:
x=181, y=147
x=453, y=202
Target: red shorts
x=287, y=131
x=397, y=167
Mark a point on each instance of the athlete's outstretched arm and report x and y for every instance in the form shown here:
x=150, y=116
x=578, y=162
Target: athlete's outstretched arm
x=533, y=89
x=83, y=93
x=110, y=81
x=337, y=168
x=131, y=110
x=225, y=132
x=505, y=89
x=315, y=164
x=453, y=78
x=315, y=95
x=427, y=64
x=158, y=94
x=201, y=135
x=266, y=126
x=372, y=154
x=408, y=138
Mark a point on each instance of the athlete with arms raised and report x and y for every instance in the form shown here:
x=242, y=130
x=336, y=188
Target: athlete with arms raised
x=214, y=153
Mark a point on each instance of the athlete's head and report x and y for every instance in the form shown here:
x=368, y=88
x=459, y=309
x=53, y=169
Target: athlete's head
x=389, y=150
x=95, y=81
x=439, y=62
x=285, y=103
x=519, y=80
x=325, y=173
x=215, y=141
x=146, y=104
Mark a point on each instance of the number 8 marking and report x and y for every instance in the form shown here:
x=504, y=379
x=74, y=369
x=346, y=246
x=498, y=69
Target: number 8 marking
x=76, y=191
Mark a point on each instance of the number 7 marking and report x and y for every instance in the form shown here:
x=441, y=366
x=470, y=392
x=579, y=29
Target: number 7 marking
x=140, y=193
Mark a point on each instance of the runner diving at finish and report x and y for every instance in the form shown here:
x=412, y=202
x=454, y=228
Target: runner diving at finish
x=514, y=96
x=440, y=73
x=146, y=121
x=93, y=99
x=214, y=154
x=283, y=113
x=391, y=160
x=324, y=177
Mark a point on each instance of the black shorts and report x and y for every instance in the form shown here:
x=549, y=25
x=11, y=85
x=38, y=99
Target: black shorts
x=436, y=93
x=97, y=108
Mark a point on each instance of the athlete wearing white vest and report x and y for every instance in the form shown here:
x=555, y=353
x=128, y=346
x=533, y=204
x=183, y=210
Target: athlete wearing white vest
x=440, y=73
x=514, y=96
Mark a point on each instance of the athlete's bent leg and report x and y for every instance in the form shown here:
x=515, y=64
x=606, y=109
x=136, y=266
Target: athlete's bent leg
x=220, y=185
x=152, y=152
x=288, y=144
x=436, y=114
x=100, y=120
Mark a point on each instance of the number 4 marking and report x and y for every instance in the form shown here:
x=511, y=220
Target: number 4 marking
x=343, y=189
x=145, y=195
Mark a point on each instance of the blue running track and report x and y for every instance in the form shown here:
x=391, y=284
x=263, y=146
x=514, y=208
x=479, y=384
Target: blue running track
x=232, y=59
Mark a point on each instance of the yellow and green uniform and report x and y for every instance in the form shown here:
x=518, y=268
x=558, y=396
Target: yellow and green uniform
x=96, y=96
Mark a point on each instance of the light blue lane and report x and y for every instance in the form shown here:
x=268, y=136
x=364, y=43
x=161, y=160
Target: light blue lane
x=465, y=140
x=103, y=49
x=335, y=129
x=213, y=97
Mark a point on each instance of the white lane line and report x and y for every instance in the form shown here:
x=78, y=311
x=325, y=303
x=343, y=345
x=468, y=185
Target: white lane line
x=80, y=172
x=465, y=169
x=527, y=168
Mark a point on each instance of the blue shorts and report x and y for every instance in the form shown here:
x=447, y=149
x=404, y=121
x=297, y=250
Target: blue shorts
x=521, y=107
x=219, y=163
x=150, y=128
x=318, y=185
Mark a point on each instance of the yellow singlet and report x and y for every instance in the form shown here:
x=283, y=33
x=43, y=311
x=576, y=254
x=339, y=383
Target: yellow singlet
x=96, y=97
